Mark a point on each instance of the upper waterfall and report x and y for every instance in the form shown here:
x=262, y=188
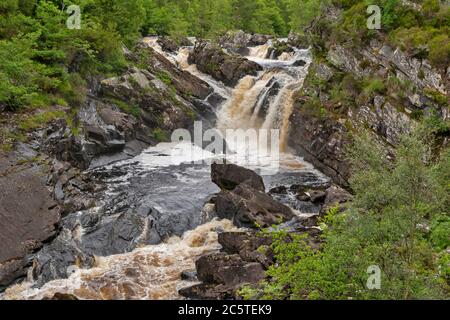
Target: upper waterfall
x=261, y=102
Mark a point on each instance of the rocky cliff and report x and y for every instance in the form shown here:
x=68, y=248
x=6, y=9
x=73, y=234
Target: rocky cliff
x=373, y=86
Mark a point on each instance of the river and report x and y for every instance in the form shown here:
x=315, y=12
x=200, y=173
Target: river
x=159, y=195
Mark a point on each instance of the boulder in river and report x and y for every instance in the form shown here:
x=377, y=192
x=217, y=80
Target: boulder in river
x=239, y=41
x=222, y=275
x=168, y=44
x=229, y=176
x=249, y=207
x=228, y=68
x=278, y=48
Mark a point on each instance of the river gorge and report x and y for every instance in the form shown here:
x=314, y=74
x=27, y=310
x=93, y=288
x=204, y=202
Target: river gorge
x=151, y=224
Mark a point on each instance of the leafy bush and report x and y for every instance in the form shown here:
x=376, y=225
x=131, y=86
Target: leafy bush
x=374, y=85
x=384, y=226
x=439, y=48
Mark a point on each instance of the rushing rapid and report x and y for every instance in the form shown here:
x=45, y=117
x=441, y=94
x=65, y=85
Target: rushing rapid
x=170, y=192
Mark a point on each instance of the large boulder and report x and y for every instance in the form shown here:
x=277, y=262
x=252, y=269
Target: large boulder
x=167, y=44
x=222, y=275
x=229, y=176
x=228, y=68
x=278, y=48
x=258, y=39
x=248, y=207
x=247, y=244
x=239, y=41
x=236, y=42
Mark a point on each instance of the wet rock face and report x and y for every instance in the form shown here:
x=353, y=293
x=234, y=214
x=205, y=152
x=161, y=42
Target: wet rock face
x=228, y=68
x=28, y=214
x=168, y=44
x=131, y=209
x=122, y=114
x=184, y=82
x=239, y=42
x=322, y=143
x=248, y=207
x=278, y=48
x=59, y=259
x=229, y=176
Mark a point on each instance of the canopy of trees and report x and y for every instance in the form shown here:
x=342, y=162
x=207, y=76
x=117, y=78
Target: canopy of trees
x=41, y=60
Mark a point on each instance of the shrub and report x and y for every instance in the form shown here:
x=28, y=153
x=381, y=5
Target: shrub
x=372, y=86
x=439, y=48
x=383, y=226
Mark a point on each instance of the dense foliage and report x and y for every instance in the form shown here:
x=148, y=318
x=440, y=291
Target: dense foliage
x=419, y=27
x=398, y=221
x=43, y=62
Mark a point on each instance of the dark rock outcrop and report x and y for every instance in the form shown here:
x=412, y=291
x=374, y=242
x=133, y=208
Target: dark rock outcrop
x=278, y=48
x=228, y=68
x=239, y=41
x=222, y=268
x=229, y=176
x=184, y=82
x=167, y=44
x=322, y=143
x=223, y=273
x=298, y=41
x=248, y=207
x=242, y=261
x=236, y=42
x=299, y=63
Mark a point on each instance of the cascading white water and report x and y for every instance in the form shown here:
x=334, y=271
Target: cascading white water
x=244, y=108
x=263, y=101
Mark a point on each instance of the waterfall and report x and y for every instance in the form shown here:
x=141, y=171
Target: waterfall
x=260, y=51
x=244, y=108
x=264, y=101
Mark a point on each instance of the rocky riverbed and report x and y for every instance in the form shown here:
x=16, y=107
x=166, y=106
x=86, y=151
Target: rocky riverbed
x=109, y=212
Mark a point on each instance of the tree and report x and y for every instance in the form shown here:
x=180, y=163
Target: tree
x=398, y=222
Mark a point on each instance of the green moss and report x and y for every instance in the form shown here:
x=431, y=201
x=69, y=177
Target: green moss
x=416, y=114
x=40, y=119
x=160, y=135
x=128, y=108
x=439, y=48
x=313, y=107
x=437, y=97
x=374, y=85
x=165, y=77
x=421, y=74
x=212, y=67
